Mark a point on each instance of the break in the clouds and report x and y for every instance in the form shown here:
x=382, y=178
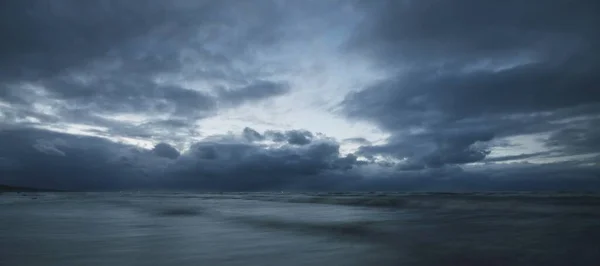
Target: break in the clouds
x=325, y=95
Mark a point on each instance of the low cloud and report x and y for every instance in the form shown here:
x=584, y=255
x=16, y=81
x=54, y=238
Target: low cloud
x=57, y=160
x=91, y=163
x=165, y=150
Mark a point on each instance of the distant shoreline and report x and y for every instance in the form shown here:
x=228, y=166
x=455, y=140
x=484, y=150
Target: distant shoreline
x=5, y=188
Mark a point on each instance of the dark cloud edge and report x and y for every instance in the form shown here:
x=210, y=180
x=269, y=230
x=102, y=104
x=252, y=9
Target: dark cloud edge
x=45, y=159
x=467, y=73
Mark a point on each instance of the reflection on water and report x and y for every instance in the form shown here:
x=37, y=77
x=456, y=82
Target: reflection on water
x=298, y=229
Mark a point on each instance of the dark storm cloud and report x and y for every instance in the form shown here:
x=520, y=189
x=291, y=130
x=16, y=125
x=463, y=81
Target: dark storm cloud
x=85, y=60
x=434, y=149
x=276, y=136
x=473, y=71
x=452, y=96
x=252, y=135
x=577, y=138
x=554, y=176
x=297, y=137
x=40, y=158
x=121, y=93
x=165, y=150
x=434, y=31
x=55, y=160
x=293, y=137
x=459, y=77
x=239, y=166
x=43, y=38
x=512, y=177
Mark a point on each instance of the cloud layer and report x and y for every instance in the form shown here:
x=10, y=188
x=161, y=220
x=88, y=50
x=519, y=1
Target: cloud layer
x=231, y=162
x=300, y=95
x=467, y=72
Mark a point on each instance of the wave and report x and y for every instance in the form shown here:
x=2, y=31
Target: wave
x=179, y=211
x=355, y=230
x=356, y=201
x=536, y=202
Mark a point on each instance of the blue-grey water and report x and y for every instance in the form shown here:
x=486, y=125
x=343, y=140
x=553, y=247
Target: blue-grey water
x=299, y=229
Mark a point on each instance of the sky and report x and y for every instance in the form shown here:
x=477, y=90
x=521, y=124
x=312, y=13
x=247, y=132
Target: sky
x=270, y=95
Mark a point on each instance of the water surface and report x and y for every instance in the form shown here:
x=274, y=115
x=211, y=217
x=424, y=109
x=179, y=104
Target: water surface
x=299, y=229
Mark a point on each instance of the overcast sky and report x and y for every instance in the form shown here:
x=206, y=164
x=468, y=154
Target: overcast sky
x=300, y=95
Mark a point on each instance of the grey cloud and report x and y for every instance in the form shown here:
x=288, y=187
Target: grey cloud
x=204, y=152
x=347, y=162
x=45, y=38
x=276, y=136
x=459, y=77
x=439, y=32
x=95, y=163
x=293, y=137
x=469, y=67
x=252, y=135
x=121, y=93
x=176, y=130
x=434, y=149
x=72, y=162
x=555, y=176
x=297, y=137
x=357, y=141
x=255, y=91
x=521, y=156
x=165, y=150
x=170, y=123
x=242, y=166
x=453, y=96
x=410, y=165
x=505, y=177
x=92, y=163
x=460, y=149
x=107, y=57
x=578, y=138
x=48, y=147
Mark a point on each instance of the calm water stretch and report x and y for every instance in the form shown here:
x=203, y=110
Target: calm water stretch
x=381, y=229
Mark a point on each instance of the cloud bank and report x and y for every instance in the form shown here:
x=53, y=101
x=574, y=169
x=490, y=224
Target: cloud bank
x=300, y=95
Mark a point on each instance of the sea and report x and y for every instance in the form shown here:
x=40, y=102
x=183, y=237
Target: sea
x=352, y=228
